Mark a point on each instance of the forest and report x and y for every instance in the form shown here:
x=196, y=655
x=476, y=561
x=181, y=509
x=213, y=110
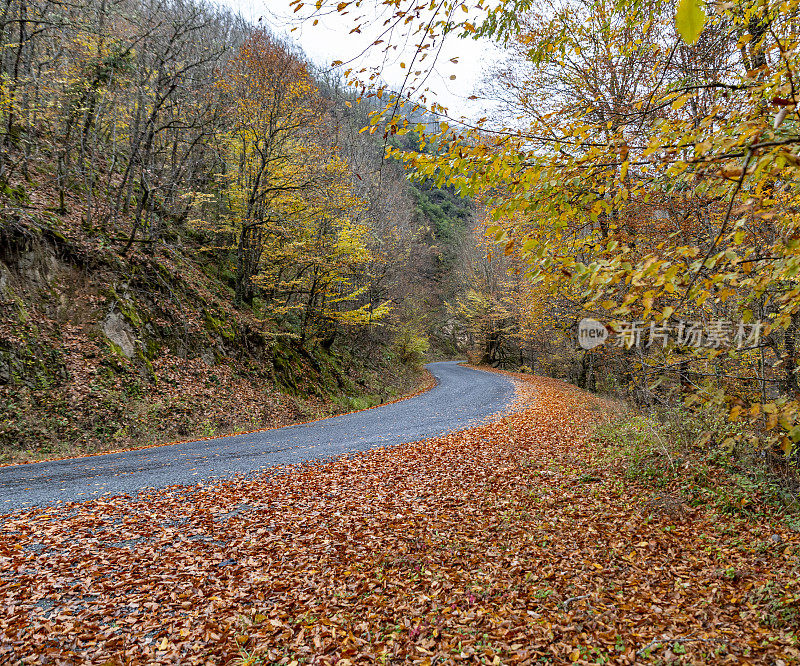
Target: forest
x=639, y=170
x=179, y=185
x=196, y=237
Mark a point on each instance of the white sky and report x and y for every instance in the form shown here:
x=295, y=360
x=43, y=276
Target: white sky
x=330, y=40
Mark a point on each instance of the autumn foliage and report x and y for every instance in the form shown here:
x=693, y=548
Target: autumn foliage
x=640, y=165
x=194, y=236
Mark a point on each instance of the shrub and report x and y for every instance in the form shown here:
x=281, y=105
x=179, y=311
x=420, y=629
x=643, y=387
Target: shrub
x=410, y=346
x=700, y=456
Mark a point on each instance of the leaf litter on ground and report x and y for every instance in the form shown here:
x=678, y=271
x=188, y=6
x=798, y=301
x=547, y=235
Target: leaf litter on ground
x=507, y=543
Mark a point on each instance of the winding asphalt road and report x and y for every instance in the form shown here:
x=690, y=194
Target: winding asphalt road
x=462, y=397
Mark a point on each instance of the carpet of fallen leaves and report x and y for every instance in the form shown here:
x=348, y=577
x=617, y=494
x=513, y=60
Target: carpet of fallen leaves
x=509, y=543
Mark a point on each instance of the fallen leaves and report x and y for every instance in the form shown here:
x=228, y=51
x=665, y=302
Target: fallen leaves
x=487, y=546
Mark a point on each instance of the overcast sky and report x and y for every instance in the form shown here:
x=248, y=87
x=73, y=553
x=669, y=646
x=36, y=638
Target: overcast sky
x=330, y=40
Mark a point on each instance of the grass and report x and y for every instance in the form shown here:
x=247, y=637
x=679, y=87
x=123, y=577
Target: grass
x=679, y=454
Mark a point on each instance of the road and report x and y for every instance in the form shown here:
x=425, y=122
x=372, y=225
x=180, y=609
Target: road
x=462, y=397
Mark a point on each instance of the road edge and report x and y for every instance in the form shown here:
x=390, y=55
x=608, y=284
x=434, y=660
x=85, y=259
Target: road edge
x=428, y=382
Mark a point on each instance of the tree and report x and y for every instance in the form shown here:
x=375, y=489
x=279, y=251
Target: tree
x=651, y=164
x=285, y=197
x=274, y=111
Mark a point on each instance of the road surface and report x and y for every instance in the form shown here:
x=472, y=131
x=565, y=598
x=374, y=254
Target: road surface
x=462, y=397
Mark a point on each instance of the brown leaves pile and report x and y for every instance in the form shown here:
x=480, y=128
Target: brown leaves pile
x=503, y=544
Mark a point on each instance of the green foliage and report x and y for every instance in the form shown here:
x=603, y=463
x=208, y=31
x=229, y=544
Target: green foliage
x=16, y=194
x=637, y=443
x=779, y=603
x=217, y=322
x=446, y=213
x=410, y=346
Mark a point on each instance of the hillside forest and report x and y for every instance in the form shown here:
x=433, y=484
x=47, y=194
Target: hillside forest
x=195, y=236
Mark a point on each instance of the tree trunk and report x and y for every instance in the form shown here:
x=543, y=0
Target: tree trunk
x=791, y=384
